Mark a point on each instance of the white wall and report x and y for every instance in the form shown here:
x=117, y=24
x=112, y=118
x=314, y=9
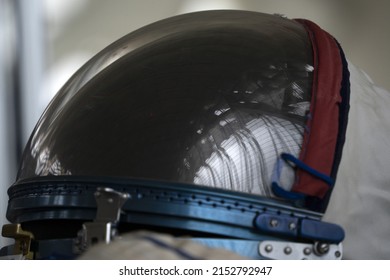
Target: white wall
x=361, y=26
x=7, y=140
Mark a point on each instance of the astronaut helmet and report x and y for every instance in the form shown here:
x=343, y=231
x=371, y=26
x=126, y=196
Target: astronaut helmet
x=224, y=126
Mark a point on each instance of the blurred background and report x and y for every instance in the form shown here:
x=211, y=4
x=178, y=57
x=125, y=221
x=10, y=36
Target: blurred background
x=43, y=42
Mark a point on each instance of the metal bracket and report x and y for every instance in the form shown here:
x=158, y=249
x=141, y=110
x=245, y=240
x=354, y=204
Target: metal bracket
x=103, y=228
x=281, y=250
x=22, y=246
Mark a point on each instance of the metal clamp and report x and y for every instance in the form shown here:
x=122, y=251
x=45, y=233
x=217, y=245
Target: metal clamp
x=102, y=229
x=22, y=246
x=280, y=250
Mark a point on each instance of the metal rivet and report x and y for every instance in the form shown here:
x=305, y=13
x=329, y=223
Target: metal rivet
x=307, y=251
x=287, y=250
x=274, y=223
x=268, y=248
x=292, y=226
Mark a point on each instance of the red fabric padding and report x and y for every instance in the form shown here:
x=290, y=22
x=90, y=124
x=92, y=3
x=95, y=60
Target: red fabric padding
x=319, y=141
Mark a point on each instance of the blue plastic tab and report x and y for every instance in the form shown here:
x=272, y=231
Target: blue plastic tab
x=321, y=231
x=277, y=224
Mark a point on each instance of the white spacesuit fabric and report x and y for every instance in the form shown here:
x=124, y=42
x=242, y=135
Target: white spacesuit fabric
x=360, y=201
x=146, y=245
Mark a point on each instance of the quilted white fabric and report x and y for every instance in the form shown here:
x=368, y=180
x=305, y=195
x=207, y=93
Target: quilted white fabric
x=145, y=245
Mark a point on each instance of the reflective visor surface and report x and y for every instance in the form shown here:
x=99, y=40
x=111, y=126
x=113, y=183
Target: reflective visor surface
x=207, y=98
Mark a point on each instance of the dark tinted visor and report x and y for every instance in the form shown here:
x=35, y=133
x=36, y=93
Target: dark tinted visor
x=210, y=98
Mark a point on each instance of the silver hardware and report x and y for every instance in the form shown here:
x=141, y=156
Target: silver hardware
x=287, y=250
x=292, y=226
x=268, y=248
x=321, y=248
x=274, y=223
x=281, y=250
x=307, y=251
x=102, y=229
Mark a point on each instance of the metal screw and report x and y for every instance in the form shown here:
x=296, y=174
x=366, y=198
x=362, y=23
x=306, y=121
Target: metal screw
x=292, y=226
x=287, y=250
x=337, y=254
x=268, y=248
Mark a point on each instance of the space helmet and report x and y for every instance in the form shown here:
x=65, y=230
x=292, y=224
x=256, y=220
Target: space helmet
x=226, y=127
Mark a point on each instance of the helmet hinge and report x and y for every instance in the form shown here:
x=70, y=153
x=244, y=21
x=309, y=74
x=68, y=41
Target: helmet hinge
x=103, y=228
x=23, y=239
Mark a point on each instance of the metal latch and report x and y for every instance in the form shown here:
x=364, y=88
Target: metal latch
x=281, y=250
x=22, y=246
x=103, y=228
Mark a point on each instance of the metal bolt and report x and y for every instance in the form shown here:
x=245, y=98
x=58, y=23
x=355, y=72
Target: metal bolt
x=321, y=248
x=287, y=250
x=307, y=251
x=268, y=248
x=274, y=223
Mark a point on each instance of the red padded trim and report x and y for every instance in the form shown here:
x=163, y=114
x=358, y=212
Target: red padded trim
x=319, y=141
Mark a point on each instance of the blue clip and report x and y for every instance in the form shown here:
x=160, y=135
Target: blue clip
x=277, y=224
x=288, y=226
x=321, y=231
